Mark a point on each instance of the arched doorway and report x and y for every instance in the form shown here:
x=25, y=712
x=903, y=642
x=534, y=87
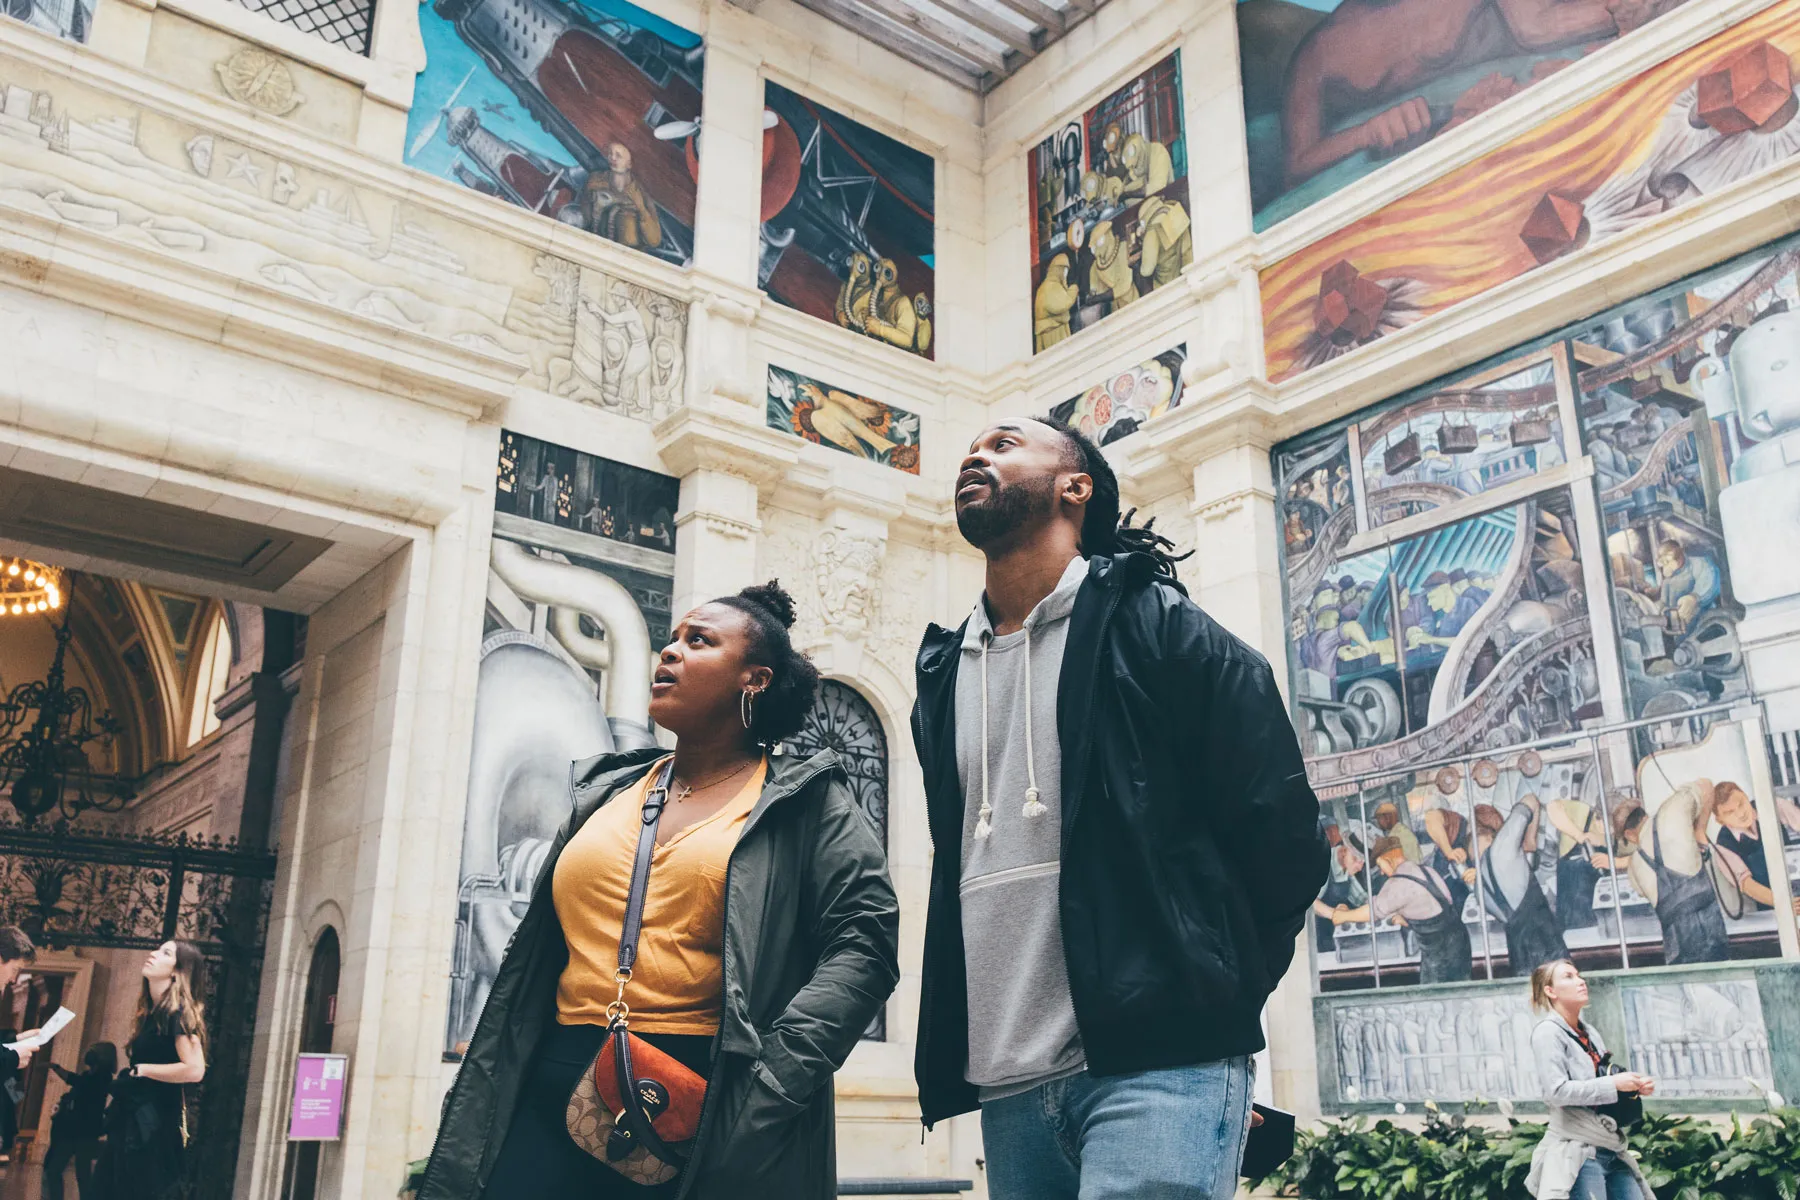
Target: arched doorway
x=300, y=1179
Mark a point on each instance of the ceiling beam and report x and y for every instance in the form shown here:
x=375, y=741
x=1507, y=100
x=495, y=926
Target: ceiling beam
x=1038, y=13
x=897, y=39
x=940, y=34
x=984, y=20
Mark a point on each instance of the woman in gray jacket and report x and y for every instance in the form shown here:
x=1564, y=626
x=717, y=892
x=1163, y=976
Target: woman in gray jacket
x=1583, y=1154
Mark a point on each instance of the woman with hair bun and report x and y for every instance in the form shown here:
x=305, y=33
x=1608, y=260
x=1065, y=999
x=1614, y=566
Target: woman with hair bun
x=768, y=941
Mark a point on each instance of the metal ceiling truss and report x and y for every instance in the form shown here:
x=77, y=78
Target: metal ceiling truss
x=974, y=44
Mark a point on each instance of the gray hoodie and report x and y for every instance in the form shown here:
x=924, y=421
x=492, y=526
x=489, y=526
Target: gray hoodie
x=1021, y=1018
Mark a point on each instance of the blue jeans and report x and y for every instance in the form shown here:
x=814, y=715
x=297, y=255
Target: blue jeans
x=1605, y=1177
x=1175, y=1134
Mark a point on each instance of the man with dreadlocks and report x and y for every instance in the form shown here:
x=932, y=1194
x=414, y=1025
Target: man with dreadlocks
x=1127, y=847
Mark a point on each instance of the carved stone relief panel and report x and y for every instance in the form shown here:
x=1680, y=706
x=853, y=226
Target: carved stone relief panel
x=89, y=161
x=214, y=63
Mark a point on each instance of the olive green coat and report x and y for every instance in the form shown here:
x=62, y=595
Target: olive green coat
x=811, y=954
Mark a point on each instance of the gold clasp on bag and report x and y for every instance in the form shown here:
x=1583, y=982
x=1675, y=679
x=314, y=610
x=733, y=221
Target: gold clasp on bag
x=618, y=1010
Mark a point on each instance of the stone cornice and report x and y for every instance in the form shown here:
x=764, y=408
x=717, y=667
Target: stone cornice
x=695, y=439
x=65, y=261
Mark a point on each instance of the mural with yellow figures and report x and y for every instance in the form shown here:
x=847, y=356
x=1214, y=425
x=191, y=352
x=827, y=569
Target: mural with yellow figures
x=1697, y=123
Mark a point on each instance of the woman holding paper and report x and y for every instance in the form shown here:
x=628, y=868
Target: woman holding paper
x=146, y=1127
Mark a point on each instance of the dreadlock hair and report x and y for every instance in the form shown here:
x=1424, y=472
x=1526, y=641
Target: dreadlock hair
x=1103, y=530
x=780, y=710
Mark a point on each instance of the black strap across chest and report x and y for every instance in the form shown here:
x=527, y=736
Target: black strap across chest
x=654, y=803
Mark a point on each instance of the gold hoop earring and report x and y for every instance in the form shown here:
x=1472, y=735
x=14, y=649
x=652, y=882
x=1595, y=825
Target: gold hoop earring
x=747, y=707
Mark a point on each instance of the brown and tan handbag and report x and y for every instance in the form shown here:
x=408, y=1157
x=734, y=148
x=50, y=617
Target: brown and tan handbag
x=635, y=1108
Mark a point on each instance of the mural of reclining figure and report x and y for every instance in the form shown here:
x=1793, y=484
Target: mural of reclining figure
x=1370, y=51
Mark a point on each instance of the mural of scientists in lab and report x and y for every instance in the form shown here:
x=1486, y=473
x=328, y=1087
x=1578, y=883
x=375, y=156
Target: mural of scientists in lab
x=580, y=574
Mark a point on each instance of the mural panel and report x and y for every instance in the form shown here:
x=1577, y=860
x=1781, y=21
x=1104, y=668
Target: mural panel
x=70, y=19
x=847, y=222
x=1128, y=400
x=1110, y=196
x=1502, y=783
x=1334, y=89
x=586, y=112
x=1713, y=115
x=830, y=416
x=579, y=592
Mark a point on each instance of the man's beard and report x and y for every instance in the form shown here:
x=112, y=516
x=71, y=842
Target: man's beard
x=1006, y=510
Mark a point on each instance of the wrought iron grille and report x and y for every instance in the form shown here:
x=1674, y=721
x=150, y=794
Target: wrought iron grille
x=843, y=721
x=66, y=886
x=341, y=22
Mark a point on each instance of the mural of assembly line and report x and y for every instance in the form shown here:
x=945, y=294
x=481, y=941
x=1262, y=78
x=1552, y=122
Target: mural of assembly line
x=579, y=579
x=1527, y=608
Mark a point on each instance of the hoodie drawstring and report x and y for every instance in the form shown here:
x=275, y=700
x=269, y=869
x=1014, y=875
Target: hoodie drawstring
x=1034, y=807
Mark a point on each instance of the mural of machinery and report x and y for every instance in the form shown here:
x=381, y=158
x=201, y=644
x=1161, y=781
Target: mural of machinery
x=1523, y=707
x=578, y=601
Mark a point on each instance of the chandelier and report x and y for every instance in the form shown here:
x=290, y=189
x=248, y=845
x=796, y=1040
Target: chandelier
x=46, y=726
x=29, y=587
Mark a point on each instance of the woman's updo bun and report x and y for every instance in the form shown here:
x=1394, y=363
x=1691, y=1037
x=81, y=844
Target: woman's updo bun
x=775, y=598
x=780, y=711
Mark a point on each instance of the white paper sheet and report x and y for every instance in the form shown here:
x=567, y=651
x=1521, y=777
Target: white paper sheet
x=55, y=1025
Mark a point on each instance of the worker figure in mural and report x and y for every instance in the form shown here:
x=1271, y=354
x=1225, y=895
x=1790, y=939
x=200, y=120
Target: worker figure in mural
x=1673, y=868
x=1505, y=848
x=1370, y=51
x=1344, y=889
x=1447, y=850
x=1740, y=844
x=1689, y=585
x=1419, y=899
x=1449, y=610
x=615, y=205
x=1581, y=858
x=1111, y=1053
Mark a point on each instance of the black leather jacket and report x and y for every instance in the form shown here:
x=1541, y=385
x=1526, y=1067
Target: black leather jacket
x=1191, y=846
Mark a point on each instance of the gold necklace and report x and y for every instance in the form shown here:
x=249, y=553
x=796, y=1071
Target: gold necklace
x=684, y=790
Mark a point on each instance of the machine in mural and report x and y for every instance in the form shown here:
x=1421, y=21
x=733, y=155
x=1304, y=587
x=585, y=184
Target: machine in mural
x=579, y=592
x=1110, y=195
x=1460, y=442
x=587, y=112
x=847, y=222
x=1579, y=777
x=1474, y=633
x=70, y=19
x=1127, y=400
x=830, y=416
x=1705, y=119
x=1335, y=88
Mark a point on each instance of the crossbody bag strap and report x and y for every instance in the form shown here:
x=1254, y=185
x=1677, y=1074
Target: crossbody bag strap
x=640, y=872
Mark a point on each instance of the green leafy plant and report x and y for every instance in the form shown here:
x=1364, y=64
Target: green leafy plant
x=1761, y=1161
x=1676, y=1156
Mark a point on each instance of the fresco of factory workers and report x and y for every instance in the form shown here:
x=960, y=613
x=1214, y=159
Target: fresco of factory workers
x=586, y=112
x=71, y=19
x=827, y=415
x=1602, y=805
x=1127, y=399
x=1109, y=192
x=1333, y=89
x=580, y=579
x=847, y=222
x=1703, y=120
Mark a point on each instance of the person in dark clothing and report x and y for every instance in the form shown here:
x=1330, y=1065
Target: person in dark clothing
x=146, y=1124
x=1126, y=844
x=16, y=951
x=769, y=940
x=1506, y=846
x=79, y=1122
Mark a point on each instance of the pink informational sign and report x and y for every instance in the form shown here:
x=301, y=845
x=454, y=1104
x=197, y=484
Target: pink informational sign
x=318, y=1112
